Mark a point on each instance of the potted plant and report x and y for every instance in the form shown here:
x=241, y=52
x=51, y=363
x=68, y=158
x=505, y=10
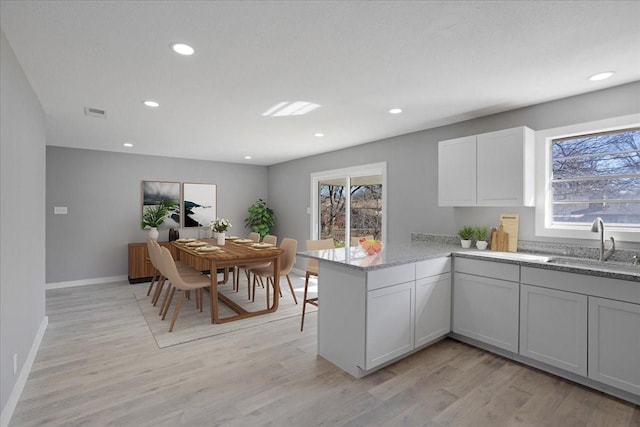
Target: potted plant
x=261, y=218
x=466, y=234
x=153, y=216
x=220, y=226
x=481, y=238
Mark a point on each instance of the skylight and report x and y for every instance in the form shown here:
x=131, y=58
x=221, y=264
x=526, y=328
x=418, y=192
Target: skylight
x=296, y=108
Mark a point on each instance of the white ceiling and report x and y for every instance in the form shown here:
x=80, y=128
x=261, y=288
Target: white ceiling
x=441, y=62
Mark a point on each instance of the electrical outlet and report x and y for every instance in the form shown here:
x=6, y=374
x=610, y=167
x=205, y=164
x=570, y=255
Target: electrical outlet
x=15, y=363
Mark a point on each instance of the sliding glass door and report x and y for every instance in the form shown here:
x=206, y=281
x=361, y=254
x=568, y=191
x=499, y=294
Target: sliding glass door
x=348, y=204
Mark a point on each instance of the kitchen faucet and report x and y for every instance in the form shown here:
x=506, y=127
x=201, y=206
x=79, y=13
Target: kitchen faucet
x=598, y=225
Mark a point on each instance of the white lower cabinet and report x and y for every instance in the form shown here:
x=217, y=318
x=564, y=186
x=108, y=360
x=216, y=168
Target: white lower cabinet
x=614, y=343
x=433, y=308
x=553, y=328
x=486, y=309
x=390, y=323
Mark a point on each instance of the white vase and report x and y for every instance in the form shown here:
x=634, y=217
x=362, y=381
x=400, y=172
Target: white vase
x=465, y=243
x=153, y=233
x=481, y=244
x=221, y=239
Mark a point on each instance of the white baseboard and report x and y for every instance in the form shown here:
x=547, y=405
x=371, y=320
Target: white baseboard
x=8, y=409
x=85, y=282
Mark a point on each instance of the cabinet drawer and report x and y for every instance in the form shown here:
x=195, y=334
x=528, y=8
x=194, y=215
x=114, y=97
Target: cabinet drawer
x=433, y=267
x=377, y=279
x=496, y=270
x=622, y=290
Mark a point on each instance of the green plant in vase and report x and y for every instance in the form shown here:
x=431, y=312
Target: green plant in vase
x=153, y=216
x=261, y=218
x=481, y=237
x=466, y=234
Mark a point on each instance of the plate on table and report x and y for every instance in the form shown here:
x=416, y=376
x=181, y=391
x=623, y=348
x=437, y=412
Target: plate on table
x=185, y=240
x=196, y=244
x=262, y=246
x=244, y=241
x=231, y=238
x=208, y=248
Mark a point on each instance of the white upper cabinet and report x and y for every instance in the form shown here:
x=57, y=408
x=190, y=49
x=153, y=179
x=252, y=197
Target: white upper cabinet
x=490, y=169
x=457, y=172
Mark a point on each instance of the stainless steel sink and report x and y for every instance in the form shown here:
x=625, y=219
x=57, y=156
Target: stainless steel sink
x=589, y=263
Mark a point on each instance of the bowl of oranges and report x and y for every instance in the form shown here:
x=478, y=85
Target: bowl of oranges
x=370, y=247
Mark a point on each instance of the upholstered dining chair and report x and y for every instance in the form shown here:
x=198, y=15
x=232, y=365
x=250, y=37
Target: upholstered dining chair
x=183, y=283
x=355, y=240
x=287, y=259
x=269, y=238
x=184, y=269
x=312, y=270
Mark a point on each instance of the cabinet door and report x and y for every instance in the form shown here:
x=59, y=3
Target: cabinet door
x=433, y=308
x=553, y=328
x=390, y=323
x=614, y=343
x=140, y=266
x=505, y=173
x=457, y=172
x=486, y=310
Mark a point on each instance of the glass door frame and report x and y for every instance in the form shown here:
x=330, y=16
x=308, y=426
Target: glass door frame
x=347, y=174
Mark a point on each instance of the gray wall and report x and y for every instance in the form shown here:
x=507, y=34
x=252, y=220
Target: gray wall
x=102, y=191
x=412, y=168
x=22, y=225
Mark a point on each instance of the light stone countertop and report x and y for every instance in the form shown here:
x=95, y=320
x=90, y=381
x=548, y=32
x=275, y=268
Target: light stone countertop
x=414, y=251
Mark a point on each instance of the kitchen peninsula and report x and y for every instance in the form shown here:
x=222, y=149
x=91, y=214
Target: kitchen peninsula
x=377, y=309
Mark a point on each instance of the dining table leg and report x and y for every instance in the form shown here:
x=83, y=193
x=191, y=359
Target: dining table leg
x=276, y=283
x=213, y=294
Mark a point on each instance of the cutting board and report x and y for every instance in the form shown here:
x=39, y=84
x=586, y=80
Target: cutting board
x=510, y=224
x=499, y=239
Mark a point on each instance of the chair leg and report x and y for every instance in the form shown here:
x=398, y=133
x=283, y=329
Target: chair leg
x=255, y=278
x=165, y=308
x=166, y=296
x=292, y=291
x=177, y=310
x=304, y=299
x=153, y=281
x=158, y=292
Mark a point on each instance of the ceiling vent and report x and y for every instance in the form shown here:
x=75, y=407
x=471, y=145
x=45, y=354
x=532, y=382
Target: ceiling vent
x=95, y=112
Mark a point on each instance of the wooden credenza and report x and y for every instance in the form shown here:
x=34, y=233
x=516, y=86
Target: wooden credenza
x=140, y=267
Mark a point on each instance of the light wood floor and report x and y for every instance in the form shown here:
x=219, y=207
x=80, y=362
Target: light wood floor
x=98, y=365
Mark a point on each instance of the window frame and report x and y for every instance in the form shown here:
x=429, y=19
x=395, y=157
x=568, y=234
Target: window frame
x=543, y=155
x=347, y=174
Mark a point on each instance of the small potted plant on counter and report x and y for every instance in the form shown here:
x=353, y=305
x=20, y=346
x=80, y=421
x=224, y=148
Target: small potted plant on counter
x=466, y=234
x=481, y=238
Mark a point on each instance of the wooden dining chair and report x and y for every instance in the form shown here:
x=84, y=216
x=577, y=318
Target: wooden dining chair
x=312, y=270
x=182, y=283
x=287, y=260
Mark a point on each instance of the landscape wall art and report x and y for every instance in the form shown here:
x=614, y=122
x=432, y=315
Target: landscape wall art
x=199, y=204
x=155, y=191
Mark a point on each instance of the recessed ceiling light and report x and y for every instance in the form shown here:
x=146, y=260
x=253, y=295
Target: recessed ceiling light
x=395, y=111
x=150, y=103
x=318, y=134
x=297, y=108
x=128, y=144
x=601, y=76
x=247, y=157
x=182, y=49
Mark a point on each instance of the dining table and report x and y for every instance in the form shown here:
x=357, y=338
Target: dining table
x=233, y=253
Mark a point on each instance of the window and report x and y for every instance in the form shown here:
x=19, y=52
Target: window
x=589, y=171
x=348, y=203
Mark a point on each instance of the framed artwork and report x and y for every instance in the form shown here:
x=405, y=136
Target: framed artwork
x=199, y=203
x=155, y=191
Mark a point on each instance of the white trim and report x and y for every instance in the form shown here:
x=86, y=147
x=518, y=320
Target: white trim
x=543, y=185
x=85, y=282
x=16, y=392
x=348, y=173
